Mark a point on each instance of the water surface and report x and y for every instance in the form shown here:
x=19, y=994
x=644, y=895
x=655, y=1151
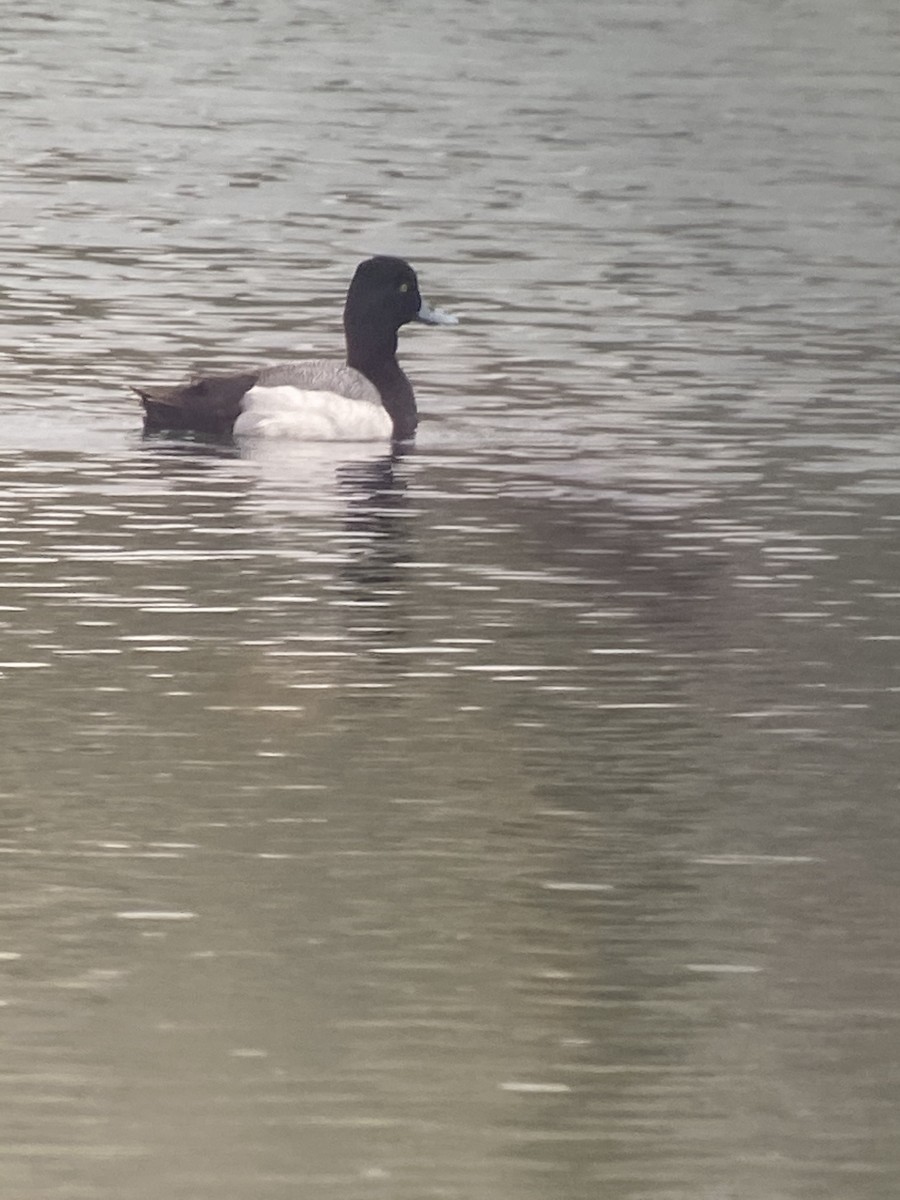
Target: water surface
x=513, y=817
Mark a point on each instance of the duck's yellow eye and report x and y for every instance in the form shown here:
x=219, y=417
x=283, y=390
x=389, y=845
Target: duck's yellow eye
x=404, y=287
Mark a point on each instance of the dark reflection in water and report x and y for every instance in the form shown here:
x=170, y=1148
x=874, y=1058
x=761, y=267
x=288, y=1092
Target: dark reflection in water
x=377, y=514
x=515, y=816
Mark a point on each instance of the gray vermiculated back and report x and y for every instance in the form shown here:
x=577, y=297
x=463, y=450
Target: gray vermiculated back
x=323, y=375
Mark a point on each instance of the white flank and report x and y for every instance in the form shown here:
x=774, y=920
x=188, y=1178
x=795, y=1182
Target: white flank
x=291, y=412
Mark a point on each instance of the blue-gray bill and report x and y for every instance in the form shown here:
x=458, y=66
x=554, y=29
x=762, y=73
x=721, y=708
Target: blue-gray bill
x=435, y=316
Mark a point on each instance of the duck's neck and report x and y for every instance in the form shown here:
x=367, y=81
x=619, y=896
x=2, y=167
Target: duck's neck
x=378, y=362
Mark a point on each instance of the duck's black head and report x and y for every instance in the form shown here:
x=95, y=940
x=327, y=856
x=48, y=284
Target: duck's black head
x=384, y=292
x=383, y=295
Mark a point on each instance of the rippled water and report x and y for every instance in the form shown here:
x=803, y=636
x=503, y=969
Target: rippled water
x=516, y=817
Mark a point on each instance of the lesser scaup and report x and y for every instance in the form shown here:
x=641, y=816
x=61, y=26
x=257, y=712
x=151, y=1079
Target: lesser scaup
x=366, y=398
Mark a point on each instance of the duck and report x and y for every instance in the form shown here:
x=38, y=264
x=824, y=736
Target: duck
x=366, y=398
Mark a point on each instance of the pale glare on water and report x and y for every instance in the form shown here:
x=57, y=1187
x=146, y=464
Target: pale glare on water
x=513, y=819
